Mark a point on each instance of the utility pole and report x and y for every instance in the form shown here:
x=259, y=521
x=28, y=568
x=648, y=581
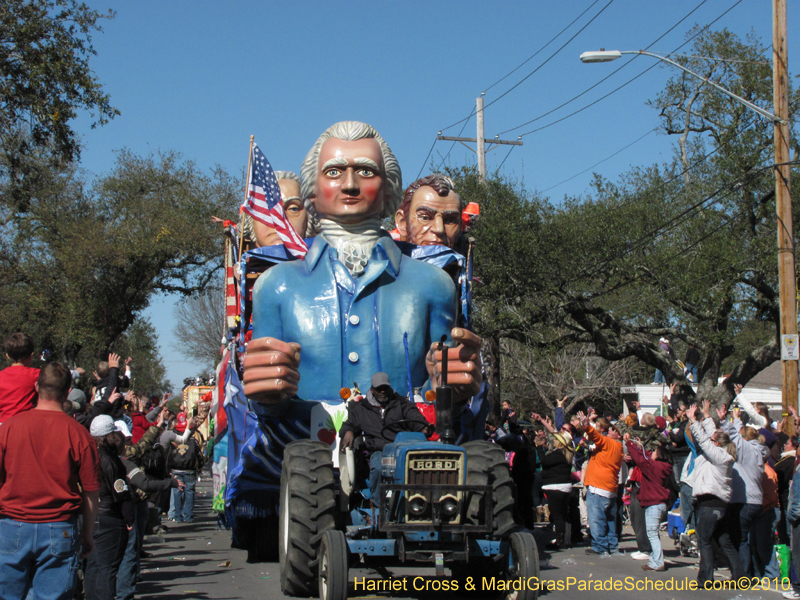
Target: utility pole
x=480, y=141
x=783, y=207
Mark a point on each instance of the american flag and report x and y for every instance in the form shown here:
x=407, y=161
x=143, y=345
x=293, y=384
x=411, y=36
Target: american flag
x=264, y=203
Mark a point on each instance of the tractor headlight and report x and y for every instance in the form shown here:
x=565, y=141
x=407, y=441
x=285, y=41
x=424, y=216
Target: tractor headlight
x=388, y=464
x=417, y=505
x=449, y=505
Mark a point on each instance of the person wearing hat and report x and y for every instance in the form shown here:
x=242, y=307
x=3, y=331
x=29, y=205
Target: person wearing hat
x=48, y=476
x=115, y=515
x=378, y=417
x=78, y=399
x=557, y=486
x=177, y=435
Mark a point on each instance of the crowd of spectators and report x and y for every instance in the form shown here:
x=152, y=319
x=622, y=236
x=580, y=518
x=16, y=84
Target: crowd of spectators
x=727, y=472
x=84, y=476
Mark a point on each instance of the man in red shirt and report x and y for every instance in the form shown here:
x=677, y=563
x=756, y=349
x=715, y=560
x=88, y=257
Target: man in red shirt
x=17, y=392
x=49, y=474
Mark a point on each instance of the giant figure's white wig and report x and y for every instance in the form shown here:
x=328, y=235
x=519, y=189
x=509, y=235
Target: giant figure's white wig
x=350, y=131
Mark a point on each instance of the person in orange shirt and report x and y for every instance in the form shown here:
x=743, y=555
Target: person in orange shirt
x=602, y=475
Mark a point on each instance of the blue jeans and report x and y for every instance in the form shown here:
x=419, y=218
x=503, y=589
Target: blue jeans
x=601, y=512
x=748, y=513
x=691, y=370
x=659, y=378
x=712, y=526
x=129, y=569
x=38, y=556
x=652, y=519
x=763, y=531
x=181, y=506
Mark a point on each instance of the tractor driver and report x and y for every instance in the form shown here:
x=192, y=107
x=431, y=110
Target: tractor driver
x=380, y=416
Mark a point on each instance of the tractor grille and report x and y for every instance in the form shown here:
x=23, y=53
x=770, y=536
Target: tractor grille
x=433, y=468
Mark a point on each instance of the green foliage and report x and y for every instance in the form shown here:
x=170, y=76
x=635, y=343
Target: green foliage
x=684, y=250
x=79, y=266
x=148, y=375
x=45, y=79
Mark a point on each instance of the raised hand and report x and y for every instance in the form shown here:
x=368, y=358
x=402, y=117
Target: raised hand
x=115, y=396
x=706, y=409
x=113, y=361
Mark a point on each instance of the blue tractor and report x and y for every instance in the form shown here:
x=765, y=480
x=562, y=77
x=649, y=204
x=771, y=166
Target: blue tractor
x=440, y=504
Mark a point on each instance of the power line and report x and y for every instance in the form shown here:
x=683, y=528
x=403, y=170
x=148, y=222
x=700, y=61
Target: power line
x=497, y=170
x=554, y=38
x=540, y=66
x=426, y=158
x=600, y=162
x=471, y=112
x=694, y=164
x=616, y=71
x=686, y=214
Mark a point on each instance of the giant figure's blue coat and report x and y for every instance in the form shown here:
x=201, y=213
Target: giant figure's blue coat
x=350, y=328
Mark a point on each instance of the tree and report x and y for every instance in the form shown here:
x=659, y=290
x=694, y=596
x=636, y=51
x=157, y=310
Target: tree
x=140, y=343
x=653, y=254
x=81, y=264
x=535, y=379
x=200, y=324
x=45, y=79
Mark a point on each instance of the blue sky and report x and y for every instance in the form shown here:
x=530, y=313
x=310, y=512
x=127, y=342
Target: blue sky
x=200, y=77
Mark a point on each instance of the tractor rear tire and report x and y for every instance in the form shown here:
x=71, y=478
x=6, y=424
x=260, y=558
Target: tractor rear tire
x=307, y=510
x=486, y=465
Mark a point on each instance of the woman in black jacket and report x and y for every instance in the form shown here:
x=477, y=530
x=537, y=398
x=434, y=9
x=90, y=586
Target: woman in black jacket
x=557, y=486
x=115, y=515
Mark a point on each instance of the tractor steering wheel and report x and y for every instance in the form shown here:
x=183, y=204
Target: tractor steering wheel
x=403, y=422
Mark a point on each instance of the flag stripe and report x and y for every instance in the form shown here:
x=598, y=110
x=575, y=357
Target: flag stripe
x=265, y=206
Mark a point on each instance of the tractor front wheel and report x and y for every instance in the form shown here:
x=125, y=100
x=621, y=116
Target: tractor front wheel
x=333, y=576
x=307, y=510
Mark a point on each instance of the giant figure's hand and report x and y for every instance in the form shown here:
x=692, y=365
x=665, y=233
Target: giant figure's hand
x=463, y=364
x=270, y=370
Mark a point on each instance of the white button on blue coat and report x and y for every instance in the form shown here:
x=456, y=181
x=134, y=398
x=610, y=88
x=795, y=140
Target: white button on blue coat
x=354, y=320
x=353, y=356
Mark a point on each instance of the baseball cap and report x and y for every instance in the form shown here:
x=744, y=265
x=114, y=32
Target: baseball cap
x=380, y=379
x=102, y=425
x=77, y=396
x=123, y=427
x=661, y=423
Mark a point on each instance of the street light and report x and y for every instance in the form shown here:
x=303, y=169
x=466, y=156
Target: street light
x=783, y=202
x=609, y=55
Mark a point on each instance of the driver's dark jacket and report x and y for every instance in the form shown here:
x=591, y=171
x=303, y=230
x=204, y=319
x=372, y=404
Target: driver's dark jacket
x=363, y=416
